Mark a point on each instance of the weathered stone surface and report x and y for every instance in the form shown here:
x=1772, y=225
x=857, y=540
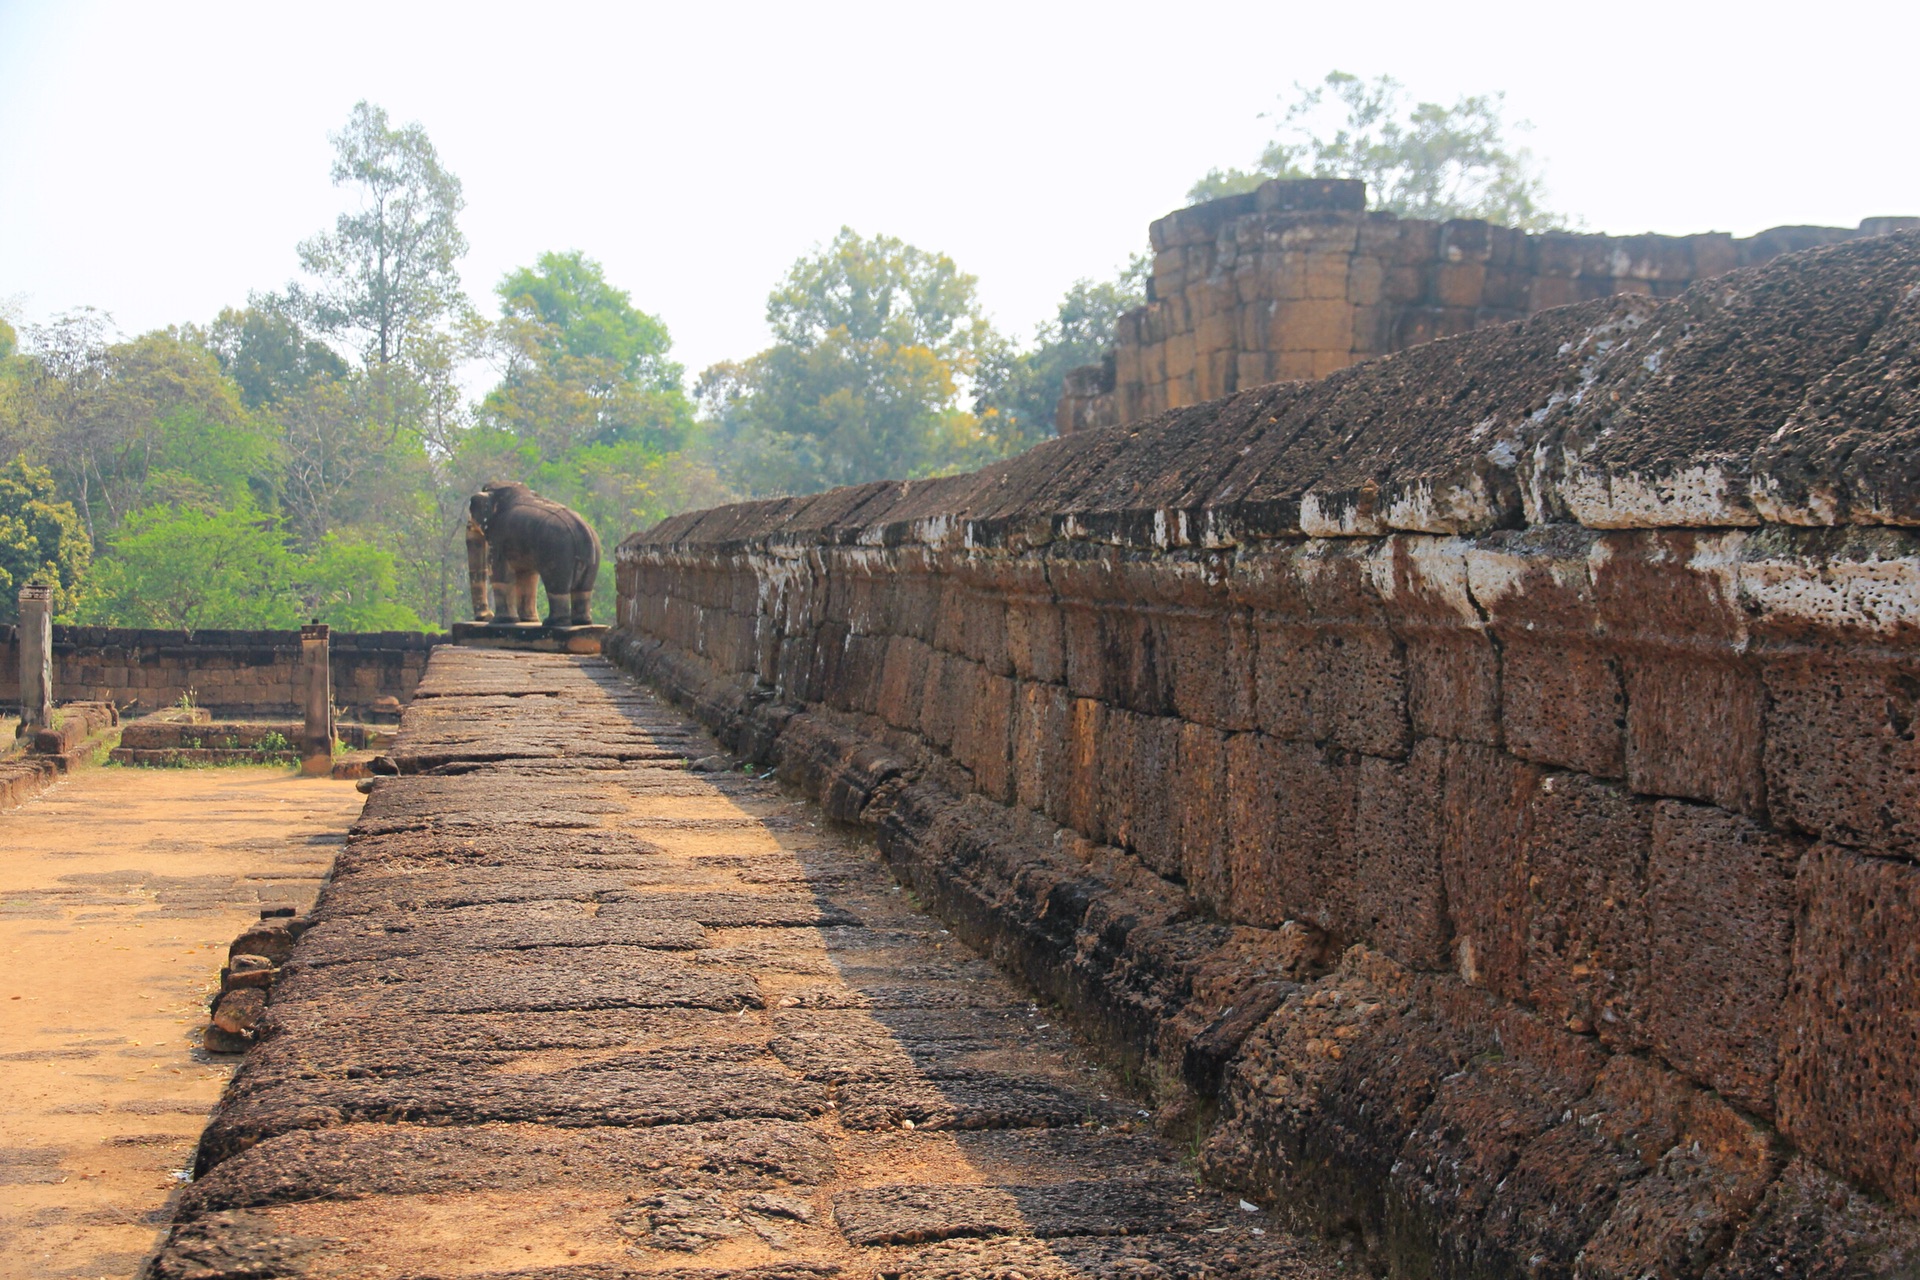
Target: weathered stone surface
x=389, y=1160
x=1850, y=1030
x=726, y=1047
x=921, y=1215
x=1720, y=909
x=1813, y=1225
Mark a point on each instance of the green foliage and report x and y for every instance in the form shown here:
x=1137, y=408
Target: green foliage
x=1019, y=390
x=114, y=421
x=185, y=567
x=874, y=340
x=583, y=365
x=352, y=586
x=41, y=539
x=1420, y=161
x=573, y=313
x=266, y=352
x=173, y=566
x=386, y=273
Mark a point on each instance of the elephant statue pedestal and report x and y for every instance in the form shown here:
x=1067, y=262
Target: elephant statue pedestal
x=536, y=637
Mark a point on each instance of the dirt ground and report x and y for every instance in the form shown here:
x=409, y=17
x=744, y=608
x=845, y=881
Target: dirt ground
x=119, y=891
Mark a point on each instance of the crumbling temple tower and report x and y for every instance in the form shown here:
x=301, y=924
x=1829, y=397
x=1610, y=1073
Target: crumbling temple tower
x=1298, y=279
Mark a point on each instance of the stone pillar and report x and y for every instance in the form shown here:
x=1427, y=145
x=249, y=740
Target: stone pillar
x=36, y=657
x=315, y=683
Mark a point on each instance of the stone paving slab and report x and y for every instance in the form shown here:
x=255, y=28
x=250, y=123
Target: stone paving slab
x=570, y=1011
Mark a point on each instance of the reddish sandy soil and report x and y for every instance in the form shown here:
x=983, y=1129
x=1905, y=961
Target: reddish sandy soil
x=119, y=890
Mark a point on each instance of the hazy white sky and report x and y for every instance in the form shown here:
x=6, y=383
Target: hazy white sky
x=159, y=160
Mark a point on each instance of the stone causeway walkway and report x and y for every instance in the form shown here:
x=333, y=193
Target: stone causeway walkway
x=570, y=1009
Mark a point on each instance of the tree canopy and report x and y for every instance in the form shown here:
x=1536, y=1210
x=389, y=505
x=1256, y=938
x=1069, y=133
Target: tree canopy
x=1020, y=389
x=386, y=272
x=875, y=340
x=1419, y=160
x=41, y=539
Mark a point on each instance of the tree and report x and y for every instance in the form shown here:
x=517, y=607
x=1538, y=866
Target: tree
x=1424, y=161
x=340, y=436
x=874, y=340
x=41, y=539
x=267, y=354
x=590, y=409
x=173, y=566
x=583, y=365
x=386, y=272
x=111, y=418
x=1019, y=390
x=352, y=586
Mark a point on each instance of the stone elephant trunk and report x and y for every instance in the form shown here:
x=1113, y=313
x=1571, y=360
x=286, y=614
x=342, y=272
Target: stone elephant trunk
x=517, y=540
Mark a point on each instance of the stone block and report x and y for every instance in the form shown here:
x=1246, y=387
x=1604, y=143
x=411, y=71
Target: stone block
x=1210, y=663
x=1366, y=280
x=1039, y=745
x=1562, y=702
x=1812, y=1226
x=1291, y=822
x=1357, y=697
x=1374, y=328
x=1140, y=788
x=1459, y=284
x=1694, y=727
x=940, y=705
x=1077, y=794
x=1179, y=356
x=1201, y=791
x=1586, y=851
x=1399, y=898
x=1421, y=324
x=1034, y=641
x=1317, y=325
x=1842, y=753
x=1324, y=275
x=1457, y=1158
x=1453, y=682
x=1291, y=366
x=1850, y=1047
x=1720, y=913
x=982, y=740
x=1405, y=285
x=1485, y=807
x=1252, y=369
x=1326, y=362
x=1552, y=291
x=1680, y=1216
x=1215, y=373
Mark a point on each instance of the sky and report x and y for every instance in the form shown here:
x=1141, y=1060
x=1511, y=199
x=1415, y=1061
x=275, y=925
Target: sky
x=161, y=160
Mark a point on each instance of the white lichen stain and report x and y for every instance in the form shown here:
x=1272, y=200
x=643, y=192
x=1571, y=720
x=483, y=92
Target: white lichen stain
x=1456, y=508
x=1347, y=520
x=1436, y=572
x=1868, y=595
x=1699, y=497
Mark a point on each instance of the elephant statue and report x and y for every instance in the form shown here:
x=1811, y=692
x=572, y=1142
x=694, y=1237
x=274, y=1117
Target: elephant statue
x=513, y=536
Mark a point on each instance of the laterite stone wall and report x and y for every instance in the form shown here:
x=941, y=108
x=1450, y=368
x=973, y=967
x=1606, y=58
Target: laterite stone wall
x=1480, y=786
x=231, y=673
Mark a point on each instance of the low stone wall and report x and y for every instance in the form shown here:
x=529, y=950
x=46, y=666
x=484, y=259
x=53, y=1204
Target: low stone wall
x=1297, y=279
x=231, y=673
x=1481, y=787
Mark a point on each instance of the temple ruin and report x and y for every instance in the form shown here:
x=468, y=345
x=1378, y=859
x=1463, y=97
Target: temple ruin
x=1298, y=279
